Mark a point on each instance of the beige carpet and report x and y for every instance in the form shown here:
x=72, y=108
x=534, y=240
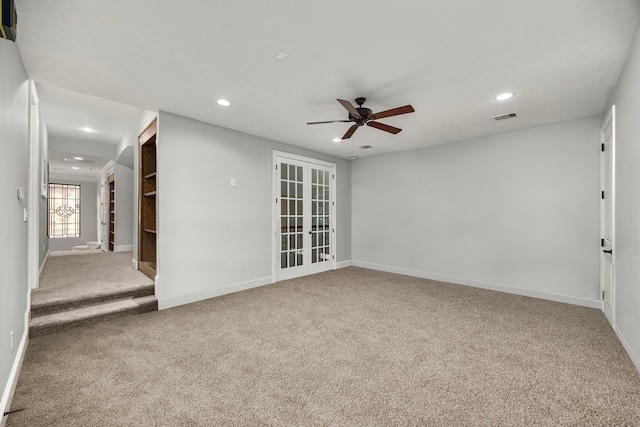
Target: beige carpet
x=351, y=347
x=97, y=270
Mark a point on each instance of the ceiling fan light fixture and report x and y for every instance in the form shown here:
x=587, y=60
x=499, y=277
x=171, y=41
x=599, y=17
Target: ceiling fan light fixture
x=505, y=96
x=224, y=102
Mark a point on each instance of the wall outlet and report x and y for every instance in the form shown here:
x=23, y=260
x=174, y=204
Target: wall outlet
x=11, y=335
x=233, y=182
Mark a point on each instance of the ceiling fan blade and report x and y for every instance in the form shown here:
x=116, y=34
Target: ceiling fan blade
x=350, y=108
x=384, y=127
x=350, y=132
x=330, y=121
x=393, y=112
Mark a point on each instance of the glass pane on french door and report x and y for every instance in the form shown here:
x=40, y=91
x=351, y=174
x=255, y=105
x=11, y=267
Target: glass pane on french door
x=320, y=218
x=291, y=180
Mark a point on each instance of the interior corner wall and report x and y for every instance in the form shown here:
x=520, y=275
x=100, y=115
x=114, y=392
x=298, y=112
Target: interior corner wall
x=88, y=213
x=14, y=173
x=43, y=247
x=214, y=238
x=515, y=212
x=627, y=216
x=124, y=213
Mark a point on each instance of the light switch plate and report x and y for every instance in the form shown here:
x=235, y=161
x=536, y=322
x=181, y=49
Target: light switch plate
x=20, y=193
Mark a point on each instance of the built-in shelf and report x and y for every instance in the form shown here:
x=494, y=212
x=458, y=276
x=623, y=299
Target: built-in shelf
x=147, y=215
x=112, y=213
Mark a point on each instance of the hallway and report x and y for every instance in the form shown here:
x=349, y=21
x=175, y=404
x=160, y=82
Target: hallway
x=79, y=289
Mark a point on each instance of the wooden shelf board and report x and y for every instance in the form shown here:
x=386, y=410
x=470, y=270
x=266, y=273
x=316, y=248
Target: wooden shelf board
x=151, y=175
x=150, y=193
x=150, y=231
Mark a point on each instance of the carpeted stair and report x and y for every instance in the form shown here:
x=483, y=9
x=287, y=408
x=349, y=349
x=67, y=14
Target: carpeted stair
x=57, y=309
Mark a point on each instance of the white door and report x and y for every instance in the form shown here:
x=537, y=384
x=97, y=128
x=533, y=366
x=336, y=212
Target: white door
x=607, y=216
x=304, y=216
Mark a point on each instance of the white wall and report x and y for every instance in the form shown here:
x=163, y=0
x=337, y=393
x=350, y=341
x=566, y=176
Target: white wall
x=517, y=212
x=88, y=212
x=14, y=173
x=214, y=238
x=43, y=247
x=124, y=215
x=627, y=275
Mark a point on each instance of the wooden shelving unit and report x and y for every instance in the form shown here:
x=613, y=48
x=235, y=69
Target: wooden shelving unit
x=112, y=211
x=147, y=217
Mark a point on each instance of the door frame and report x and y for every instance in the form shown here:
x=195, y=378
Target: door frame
x=275, y=218
x=611, y=198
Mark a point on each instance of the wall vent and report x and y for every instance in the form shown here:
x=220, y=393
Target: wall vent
x=505, y=116
x=366, y=147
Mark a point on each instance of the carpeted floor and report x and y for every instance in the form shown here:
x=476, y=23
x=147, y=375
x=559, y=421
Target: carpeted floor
x=91, y=270
x=343, y=348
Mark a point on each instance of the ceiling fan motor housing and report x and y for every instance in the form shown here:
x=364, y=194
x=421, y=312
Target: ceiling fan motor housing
x=364, y=113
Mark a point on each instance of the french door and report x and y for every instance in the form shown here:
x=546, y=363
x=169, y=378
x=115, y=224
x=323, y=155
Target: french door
x=607, y=217
x=304, y=236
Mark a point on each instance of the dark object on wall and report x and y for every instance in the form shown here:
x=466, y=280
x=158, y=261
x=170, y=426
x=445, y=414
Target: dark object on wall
x=9, y=26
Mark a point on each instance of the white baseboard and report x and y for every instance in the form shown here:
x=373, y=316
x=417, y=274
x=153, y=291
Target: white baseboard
x=44, y=262
x=134, y=264
x=7, y=395
x=634, y=357
x=164, y=303
x=123, y=248
x=585, y=302
x=343, y=264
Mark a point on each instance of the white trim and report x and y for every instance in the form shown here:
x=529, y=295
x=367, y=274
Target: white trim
x=610, y=119
x=585, y=302
x=12, y=381
x=134, y=264
x=212, y=293
x=343, y=264
x=634, y=357
x=44, y=262
x=122, y=248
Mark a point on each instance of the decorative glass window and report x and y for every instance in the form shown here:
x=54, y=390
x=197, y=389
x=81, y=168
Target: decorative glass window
x=64, y=210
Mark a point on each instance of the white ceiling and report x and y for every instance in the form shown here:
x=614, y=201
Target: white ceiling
x=448, y=58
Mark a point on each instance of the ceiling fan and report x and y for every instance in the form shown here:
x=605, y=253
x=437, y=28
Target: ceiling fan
x=364, y=116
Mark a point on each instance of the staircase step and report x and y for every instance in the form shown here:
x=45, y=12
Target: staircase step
x=55, y=300
x=57, y=322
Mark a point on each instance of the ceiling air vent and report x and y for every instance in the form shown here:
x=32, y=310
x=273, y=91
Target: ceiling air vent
x=505, y=116
x=366, y=147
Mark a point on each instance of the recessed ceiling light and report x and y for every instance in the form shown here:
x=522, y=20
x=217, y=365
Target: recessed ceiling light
x=337, y=139
x=353, y=158
x=88, y=130
x=79, y=158
x=75, y=167
x=224, y=102
x=505, y=96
